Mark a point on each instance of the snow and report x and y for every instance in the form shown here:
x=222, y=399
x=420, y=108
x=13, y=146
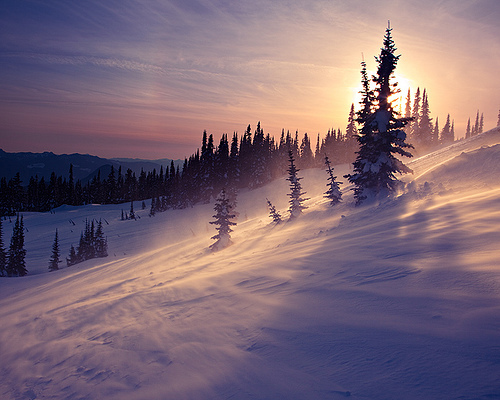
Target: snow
x=397, y=299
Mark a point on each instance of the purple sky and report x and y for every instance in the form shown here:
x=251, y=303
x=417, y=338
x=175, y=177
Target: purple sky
x=131, y=78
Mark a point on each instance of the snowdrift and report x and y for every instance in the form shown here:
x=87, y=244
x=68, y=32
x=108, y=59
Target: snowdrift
x=394, y=300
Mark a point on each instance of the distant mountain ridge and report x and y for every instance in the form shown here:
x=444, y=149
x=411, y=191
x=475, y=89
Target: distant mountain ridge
x=85, y=166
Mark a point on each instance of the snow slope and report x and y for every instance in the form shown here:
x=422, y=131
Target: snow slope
x=397, y=300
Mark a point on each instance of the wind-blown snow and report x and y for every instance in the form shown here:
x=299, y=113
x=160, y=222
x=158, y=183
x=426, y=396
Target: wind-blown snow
x=397, y=300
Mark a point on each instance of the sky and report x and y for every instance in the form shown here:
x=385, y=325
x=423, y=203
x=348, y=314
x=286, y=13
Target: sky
x=144, y=78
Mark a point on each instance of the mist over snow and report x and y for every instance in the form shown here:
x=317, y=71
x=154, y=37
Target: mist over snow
x=394, y=300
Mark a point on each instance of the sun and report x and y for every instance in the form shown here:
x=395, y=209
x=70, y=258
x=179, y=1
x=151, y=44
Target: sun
x=398, y=99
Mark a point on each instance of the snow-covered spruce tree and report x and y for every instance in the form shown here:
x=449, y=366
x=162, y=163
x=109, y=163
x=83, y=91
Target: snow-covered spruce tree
x=54, y=259
x=498, y=122
x=223, y=216
x=3, y=254
x=273, y=213
x=296, y=192
x=16, y=265
x=333, y=193
x=381, y=138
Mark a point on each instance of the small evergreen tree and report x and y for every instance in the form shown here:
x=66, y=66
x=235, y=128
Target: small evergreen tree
x=468, y=132
x=100, y=242
x=498, y=122
x=55, y=260
x=414, y=125
x=223, y=216
x=296, y=192
x=131, y=214
x=408, y=105
x=16, y=265
x=424, y=136
x=86, y=249
x=447, y=136
x=3, y=254
x=72, y=258
x=475, y=128
x=152, y=211
x=333, y=193
x=435, y=133
x=273, y=213
x=481, y=124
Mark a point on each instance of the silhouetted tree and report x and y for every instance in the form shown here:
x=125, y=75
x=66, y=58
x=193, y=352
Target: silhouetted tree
x=446, y=134
x=424, y=137
x=3, y=254
x=414, y=125
x=475, y=128
x=273, y=213
x=72, y=258
x=296, y=192
x=55, y=260
x=131, y=214
x=333, y=193
x=408, y=105
x=382, y=140
x=16, y=265
x=100, y=242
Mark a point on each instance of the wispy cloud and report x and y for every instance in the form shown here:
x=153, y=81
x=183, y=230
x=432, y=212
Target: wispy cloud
x=124, y=64
x=186, y=65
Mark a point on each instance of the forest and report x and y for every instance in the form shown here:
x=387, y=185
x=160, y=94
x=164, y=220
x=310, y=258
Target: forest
x=247, y=161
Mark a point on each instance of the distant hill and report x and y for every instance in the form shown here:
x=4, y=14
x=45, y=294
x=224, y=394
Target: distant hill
x=85, y=166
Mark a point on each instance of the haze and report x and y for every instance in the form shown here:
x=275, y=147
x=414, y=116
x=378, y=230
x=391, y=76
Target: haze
x=145, y=78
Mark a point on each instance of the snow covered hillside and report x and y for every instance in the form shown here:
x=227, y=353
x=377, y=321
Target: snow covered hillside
x=397, y=300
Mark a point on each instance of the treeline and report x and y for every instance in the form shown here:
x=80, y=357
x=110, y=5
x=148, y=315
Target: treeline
x=424, y=133
x=249, y=161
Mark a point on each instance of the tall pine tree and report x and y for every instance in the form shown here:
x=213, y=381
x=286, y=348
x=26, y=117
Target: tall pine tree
x=382, y=140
